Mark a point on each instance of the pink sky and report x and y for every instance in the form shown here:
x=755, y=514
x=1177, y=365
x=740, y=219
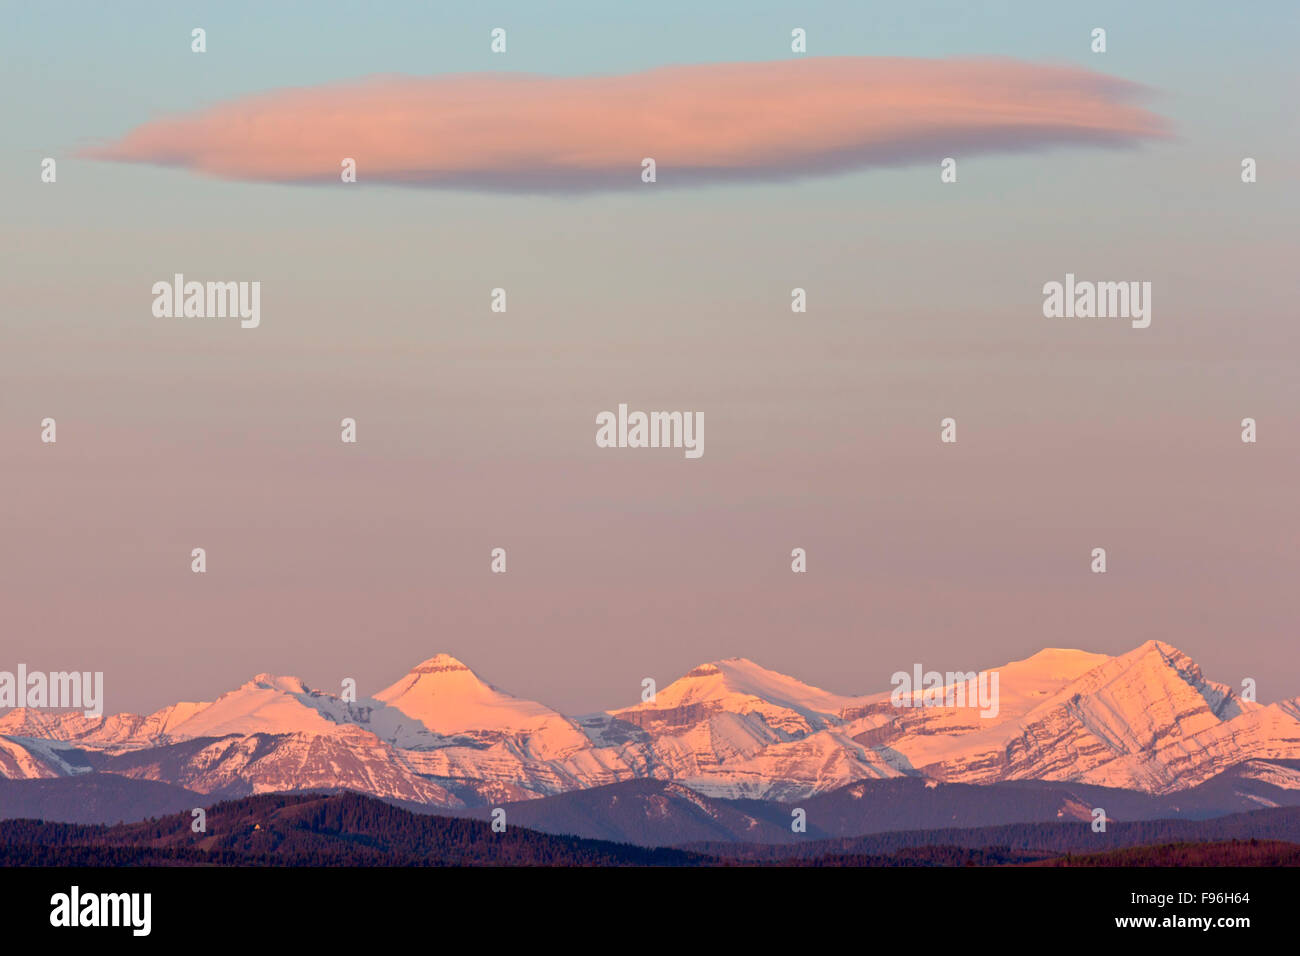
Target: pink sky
x=477, y=429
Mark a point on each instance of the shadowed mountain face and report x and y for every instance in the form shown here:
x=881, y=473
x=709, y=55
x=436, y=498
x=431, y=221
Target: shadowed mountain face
x=354, y=830
x=665, y=813
x=1047, y=840
x=1147, y=721
x=94, y=798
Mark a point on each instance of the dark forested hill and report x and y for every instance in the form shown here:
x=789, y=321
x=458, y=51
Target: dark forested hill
x=310, y=830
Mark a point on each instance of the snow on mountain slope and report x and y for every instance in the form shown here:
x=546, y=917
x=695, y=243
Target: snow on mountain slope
x=1023, y=685
x=350, y=759
x=124, y=731
x=1282, y=777
x=715, y=716
x=718, y=716
x=1146, y=720
x=65, y=759
x=870, y=737
x=266, y=704
x=285, y=705
x=449, y=699
x=504, y=743
x=18, y=761
x=815, y=764
x=739, y=686
x=728, y=710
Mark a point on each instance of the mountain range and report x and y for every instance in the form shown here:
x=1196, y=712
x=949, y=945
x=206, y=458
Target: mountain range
x=1145, y=722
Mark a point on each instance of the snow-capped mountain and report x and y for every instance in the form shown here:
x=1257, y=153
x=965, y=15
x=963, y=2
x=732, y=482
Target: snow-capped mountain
x=1147, y=721
x=447, y=698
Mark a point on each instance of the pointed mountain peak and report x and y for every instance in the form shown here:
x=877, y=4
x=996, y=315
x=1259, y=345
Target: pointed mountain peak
x=440, y=664
x=733, y=668
x=268, y=703
x=441, y=678
x=449, y=699
x=704, y=670
x=1157, y=655
x=730, y=667
x=1147, y=648
x=1150, y=661
x=286, y=685
x=1157, y=681
x=736, y=682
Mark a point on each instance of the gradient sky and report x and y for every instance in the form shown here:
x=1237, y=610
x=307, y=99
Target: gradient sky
x=477, y=430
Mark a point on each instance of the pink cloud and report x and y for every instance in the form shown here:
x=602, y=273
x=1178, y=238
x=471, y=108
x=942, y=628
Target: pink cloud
x=769, y=120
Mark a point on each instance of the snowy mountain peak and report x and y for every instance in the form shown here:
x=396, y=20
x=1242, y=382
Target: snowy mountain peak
x=1146, y=720
x=1154, y=649
x=735, y=673
x=451, y=700
x=285, y=685
x=440, y=664
x=737, y=678
x=704, y=670
x=732, y=708
x=265, y=704
x=1153, y=665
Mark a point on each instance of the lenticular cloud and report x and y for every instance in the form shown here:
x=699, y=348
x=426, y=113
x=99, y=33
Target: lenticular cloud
x=706, y=123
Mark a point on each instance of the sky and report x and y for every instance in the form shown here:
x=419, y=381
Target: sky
x=476, y=429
